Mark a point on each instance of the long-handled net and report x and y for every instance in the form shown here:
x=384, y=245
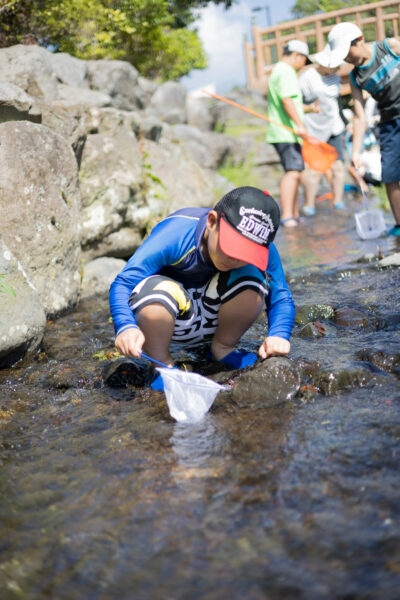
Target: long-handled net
x=319, y=156
x=189, y=395
x=370, y=223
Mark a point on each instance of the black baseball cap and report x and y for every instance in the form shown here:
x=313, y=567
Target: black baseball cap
x=249, y=221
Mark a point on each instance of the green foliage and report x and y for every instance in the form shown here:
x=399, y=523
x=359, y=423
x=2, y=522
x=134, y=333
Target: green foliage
x=150, y=34
x=304, y=8
x=5, y=288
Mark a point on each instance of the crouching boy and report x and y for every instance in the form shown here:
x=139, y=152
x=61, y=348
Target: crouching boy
x=205, y=274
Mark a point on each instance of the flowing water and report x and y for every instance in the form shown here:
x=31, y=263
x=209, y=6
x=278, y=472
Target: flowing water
x=104, y=496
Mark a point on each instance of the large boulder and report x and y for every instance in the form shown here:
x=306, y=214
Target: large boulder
x=22, y=316
x=16, y=105
x=98, y=275
x=118, y=79
x=111, y=179
x=201, y=113
x=169, y=102
x=173, y=179
x=40, y=210
x=30, y=68
x=66, y=121
x=71, y=95
x=69, y=70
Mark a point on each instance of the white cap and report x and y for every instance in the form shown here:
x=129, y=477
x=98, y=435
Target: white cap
x=339, y=40
x=300, y=47
x=323, y=58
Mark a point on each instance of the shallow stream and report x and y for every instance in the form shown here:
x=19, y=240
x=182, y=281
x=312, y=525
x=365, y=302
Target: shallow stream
x=104, y=496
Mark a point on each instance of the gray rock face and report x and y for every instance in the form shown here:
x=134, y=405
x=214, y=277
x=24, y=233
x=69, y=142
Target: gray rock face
x=174, y=180
x=22, y=317
x=30, y=68
x=16, y=105
x=69, y=70
x=169, y=102
x=119, y=80
x=40, y=210
x=98, y=275
x=200, y=113
x=111, y=176
x=71, y=95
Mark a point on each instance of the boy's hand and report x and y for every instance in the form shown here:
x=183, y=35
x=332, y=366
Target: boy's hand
x=273, y=346
x=130, y=342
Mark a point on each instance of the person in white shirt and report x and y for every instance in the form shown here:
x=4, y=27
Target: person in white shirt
x=322, y=83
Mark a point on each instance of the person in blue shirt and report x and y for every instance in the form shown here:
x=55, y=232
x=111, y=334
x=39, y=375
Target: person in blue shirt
x=205, y=275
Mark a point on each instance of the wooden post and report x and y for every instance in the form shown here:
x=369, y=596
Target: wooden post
x=319, y=35
x=380, y=26
x=249, y=60
x=260, y=72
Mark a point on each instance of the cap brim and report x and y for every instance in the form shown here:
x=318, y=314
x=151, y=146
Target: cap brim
x=328, y=59
x=237, y=246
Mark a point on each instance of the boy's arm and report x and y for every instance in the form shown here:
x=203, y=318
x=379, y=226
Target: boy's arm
x=359, y=125
x=280, y=309
x=155, y=253
x=394, y=45
x=290, y=109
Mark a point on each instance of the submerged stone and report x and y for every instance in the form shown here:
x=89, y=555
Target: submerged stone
x=313, y=330
x=269, y=383
x=313, y=312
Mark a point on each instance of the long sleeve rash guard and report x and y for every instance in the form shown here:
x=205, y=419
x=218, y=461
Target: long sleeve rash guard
x=173, y=249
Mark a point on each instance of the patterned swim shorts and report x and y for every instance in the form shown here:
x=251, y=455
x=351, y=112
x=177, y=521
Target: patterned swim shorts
x=196, y=310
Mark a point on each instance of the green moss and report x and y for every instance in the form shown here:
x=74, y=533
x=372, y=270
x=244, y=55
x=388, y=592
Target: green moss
x=240, y=175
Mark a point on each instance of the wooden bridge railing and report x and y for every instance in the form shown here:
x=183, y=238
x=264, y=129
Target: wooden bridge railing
x=377, y=21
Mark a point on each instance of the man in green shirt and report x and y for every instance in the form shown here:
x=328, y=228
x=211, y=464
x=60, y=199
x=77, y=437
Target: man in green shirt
x=285, y=106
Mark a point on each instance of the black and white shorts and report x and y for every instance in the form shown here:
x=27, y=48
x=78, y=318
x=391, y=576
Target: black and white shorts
x=196, y=310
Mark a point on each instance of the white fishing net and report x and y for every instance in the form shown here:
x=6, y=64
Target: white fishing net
x=370, y=224
x=189, y=395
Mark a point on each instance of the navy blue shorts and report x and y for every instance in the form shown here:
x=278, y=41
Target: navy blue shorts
x=337, y=142
x=389, y=132
x=290, y=155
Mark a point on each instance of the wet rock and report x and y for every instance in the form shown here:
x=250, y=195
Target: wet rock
x=313, y=330
x=390, y=261
x=269, y=383
x=22, y=316
x=350, y=317
x=124, y=372
x=333, y=381
x=40, y=218
x=386, y=359
x=313, y=312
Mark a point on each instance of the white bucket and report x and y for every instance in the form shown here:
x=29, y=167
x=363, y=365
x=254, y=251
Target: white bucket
x=189, y=395
x=370, y=224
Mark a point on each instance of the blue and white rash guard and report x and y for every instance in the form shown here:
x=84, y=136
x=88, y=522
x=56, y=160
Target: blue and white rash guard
x=173, y=249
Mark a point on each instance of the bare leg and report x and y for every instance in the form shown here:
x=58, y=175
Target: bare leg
x=337, y=181
x=234, y=319
x=393, y=192
x=288, y=190
x=310, y=180
x=157, y=325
